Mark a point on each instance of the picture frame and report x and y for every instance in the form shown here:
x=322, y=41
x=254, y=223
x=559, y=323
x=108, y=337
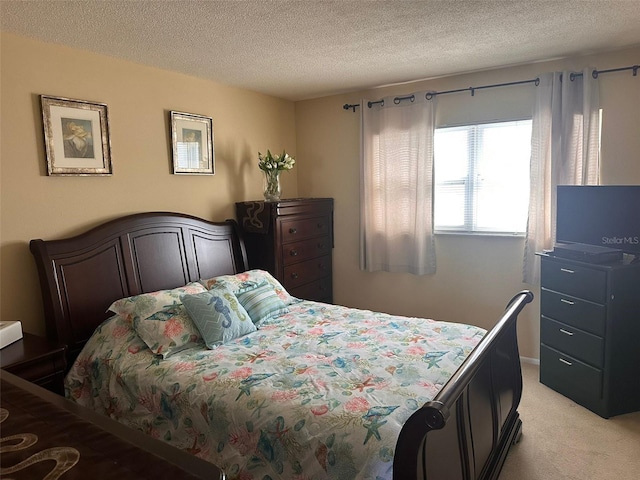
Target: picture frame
x=76, y=136
x=192, y=144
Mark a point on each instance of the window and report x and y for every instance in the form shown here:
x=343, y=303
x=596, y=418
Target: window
x=482, y=177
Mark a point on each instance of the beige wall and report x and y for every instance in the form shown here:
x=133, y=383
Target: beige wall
x=33, y=205
x=476, y=275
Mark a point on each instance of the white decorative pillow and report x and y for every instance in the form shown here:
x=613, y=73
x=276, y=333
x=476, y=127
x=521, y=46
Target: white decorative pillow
x=146, y=304
x=168, y=331
x=241, y=281
x=218, y=315
x=261, y=302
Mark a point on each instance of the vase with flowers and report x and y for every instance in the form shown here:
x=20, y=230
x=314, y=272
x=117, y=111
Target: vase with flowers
x=272, y=166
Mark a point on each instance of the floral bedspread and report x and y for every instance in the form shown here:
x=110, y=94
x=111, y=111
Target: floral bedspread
x=318, y=393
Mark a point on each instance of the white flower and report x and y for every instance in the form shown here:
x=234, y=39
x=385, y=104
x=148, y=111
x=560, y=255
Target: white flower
x=270, y=162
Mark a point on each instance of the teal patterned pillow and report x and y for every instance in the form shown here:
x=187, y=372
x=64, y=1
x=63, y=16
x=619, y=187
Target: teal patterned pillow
x=168, y=331
x=218, y=316
x=261, y=302
x=241, y=281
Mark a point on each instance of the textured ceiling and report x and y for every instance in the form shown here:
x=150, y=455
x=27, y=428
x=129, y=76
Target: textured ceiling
x=298, y=49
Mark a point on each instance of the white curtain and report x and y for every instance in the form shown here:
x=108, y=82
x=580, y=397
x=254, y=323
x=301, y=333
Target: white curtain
x=565, y=150
x=396, y=187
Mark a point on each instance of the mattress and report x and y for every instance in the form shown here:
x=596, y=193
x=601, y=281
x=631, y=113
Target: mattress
x=319, y=392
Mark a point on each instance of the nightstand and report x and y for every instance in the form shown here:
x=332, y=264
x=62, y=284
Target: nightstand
x=38, y=360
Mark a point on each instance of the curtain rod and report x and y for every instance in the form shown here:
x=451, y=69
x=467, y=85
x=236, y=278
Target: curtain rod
x=430, y=95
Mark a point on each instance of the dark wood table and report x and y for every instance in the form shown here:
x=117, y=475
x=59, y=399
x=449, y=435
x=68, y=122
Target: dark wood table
x=38, y=360
x=83, y=444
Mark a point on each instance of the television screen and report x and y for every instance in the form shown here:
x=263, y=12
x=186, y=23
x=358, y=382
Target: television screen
x=603, y=215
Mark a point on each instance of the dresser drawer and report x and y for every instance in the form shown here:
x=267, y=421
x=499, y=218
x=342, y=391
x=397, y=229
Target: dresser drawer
x=297, y=229
x=38, y=371
x=319, y=291
x=573, y=311
x=569, y=375
x=584, y=346
x=299, y=251
x=575, y=280
x=305, y=272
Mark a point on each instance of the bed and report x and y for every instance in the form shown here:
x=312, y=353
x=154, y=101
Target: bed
x=313, y=391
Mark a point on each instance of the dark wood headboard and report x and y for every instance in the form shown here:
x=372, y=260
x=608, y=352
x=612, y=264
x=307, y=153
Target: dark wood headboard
x=81, y=276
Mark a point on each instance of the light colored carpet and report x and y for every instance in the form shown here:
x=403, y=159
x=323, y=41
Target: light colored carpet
x=563, y=441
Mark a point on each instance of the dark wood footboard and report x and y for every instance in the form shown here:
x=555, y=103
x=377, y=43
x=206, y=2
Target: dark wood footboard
x=466, y=431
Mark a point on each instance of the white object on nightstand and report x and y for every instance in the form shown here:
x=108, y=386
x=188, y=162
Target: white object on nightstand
x=10, y=332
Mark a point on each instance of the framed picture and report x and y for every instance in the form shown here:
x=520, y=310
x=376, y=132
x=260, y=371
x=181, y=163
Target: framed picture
x=192, y=141
x=76, y=136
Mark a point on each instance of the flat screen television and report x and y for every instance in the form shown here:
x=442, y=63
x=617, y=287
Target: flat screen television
x=603, y=215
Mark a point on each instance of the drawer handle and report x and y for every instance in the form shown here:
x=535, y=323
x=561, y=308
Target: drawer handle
x=293, y=252
x=566, y=270
x=321, y=266
x=568, y=302
x=321, y=245
x=565, y=361
x=320, y=225
x=293, y=231
x=294, y=275
x=566, y=332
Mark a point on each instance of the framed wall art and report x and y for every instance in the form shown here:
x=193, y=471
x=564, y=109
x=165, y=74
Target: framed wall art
x=76, y=136
x=192, y=142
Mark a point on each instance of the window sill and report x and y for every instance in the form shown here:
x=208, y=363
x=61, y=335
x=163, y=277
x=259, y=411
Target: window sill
x=479, y=234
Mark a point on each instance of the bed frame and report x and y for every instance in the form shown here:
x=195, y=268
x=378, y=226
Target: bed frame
x=463, y=434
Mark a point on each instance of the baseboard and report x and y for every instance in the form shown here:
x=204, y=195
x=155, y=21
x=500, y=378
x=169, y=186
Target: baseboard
x=533, y=361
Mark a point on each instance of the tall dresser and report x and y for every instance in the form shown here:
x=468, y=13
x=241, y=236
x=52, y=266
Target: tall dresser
x=590, y=333
x=293, y=240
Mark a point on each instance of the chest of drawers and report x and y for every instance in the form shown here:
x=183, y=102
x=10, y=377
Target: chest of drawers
x=293, y=240
x=589, y=333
